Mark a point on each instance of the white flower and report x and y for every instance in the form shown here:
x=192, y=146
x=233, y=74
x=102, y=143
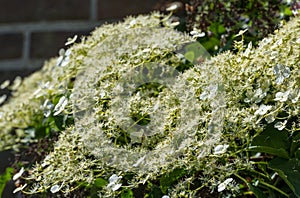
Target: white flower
x=248, y=50
x=71, y=40
x=17, y=82
x=172, y=24
x=280, y=125
x=114, y=178
x=64, y=57
x=47, y=106
x=46, y=161
x=19, y=174
x=220, y=149
x=2, y=99
x=36, y=93
x=165, y=196
x=270, y=118
x=281, y=72
x=282, y=96
x=114, y=182
x=241, y=32
x=55, y=189
x=295, y=95
x=223, y=185
x=172, y=7
x=263, y=109
x=197, y=34
x=257, y=96
x=63, y=101
x=4, y=84
x=116, y=187
x=19, y=188
x=132, y=23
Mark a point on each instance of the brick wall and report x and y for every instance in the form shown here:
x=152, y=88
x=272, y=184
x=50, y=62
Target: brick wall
x=32, y=31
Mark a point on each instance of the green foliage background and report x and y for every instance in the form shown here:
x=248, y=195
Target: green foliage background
x=222, y=20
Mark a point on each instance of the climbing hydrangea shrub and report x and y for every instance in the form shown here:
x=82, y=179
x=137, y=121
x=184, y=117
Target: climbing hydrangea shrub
x=42, y=97
x=230, y=100
x=139, y=44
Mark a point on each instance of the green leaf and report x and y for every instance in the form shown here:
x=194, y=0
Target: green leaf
x=297, y=154
x=5, y=177
x=211, y=43
x=41, y=132
x=272, y=141
x=289, y=171
x=94, y=187
x=273, y=151
x=287, y=11
x=100, y=182
x=217, y=28
x=295, y=145
x=168, y=179
x=221, y=29
x=60, y=121
x=155, y=192
x=257, y=192
x=127, y=194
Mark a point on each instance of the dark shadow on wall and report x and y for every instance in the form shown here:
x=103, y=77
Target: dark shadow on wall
x=11, y=75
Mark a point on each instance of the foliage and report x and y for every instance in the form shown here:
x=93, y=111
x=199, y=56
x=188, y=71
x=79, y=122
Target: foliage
x=5, y=177
x=220, y=126
x=222, y=20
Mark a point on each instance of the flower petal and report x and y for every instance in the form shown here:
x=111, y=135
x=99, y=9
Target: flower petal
x=19, y=174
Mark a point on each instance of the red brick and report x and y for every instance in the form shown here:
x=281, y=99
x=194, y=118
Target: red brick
x=47, y=44
x=114, y=9
x=11, y=46
x=43, y=10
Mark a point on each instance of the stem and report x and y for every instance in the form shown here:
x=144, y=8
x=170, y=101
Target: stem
x=274, y=188
x=244, y=180
x=265, y=184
